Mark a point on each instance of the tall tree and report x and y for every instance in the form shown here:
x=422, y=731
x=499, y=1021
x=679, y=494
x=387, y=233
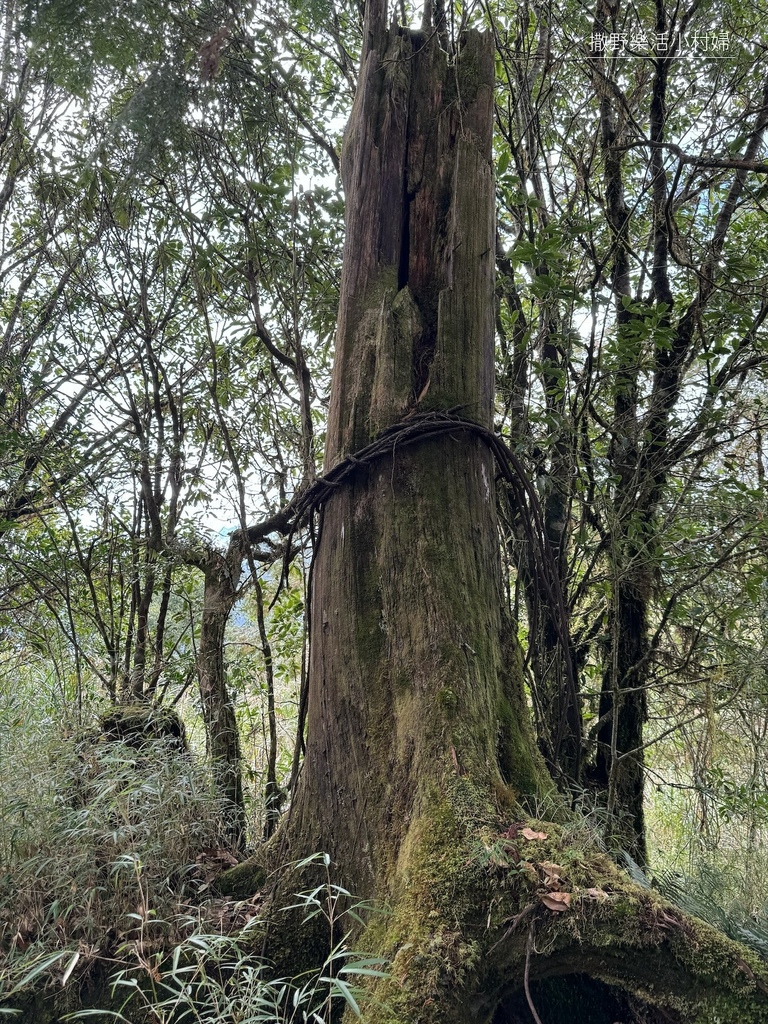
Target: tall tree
x=418, y=745
x=623, y=354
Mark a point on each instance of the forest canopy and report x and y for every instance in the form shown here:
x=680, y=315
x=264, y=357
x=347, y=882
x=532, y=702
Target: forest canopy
x=382, y=465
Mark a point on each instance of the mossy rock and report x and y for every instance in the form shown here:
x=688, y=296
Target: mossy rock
x=142, y=724
x=242, y=881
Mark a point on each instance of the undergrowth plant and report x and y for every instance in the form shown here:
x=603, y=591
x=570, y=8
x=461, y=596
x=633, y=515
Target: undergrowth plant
x=727, y=887
x=100, y=845
x=220, y=979
x=107, y=853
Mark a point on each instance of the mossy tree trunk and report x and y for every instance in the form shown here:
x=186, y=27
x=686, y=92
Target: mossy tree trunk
x=221, y=588
x=418, y=742
x=407, y=669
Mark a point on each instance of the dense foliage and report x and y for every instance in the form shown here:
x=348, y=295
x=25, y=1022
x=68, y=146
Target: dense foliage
x=171, y=223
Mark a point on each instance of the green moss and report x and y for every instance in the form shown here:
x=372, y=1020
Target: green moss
x=243, y=880
x=453, y=947
x=432, y=934
x=519, y=761
x=469, y=73
x=448, y=700
x=507, y=753
x=139, y=724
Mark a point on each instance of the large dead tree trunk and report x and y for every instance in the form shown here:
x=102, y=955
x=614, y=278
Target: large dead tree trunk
x=406, y=667
x=418, y=745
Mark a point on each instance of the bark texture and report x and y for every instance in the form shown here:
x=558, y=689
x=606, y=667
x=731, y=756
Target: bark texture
x=620, y=762
x=221, y=587
x=407, y=666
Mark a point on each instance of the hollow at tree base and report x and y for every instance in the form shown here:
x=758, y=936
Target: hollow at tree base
x=471, y=906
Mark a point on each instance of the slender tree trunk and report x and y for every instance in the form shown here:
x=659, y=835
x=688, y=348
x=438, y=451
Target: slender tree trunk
x=221, y=576
x=623, y=710
x=619, y=767
x=272, y=793
x=553, y=657
x=553, y=661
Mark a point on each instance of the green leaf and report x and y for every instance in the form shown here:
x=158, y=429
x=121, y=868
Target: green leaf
x=346, y=992
x=37, y=970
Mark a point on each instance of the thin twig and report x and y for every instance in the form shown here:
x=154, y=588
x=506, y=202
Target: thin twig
x=528, y=947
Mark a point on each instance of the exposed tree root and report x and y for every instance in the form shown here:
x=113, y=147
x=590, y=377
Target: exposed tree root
x=473, y=928
x=474, y=933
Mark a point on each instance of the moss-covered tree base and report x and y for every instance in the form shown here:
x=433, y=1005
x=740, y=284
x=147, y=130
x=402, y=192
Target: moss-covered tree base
x=477, y=909
x=473, y=908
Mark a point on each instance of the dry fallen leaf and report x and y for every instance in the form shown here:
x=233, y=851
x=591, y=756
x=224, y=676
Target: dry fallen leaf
x=216, y=855
x=596, y=893
x=557, y=901
x=552, y=872
x=211, y=862
x=528, y=833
